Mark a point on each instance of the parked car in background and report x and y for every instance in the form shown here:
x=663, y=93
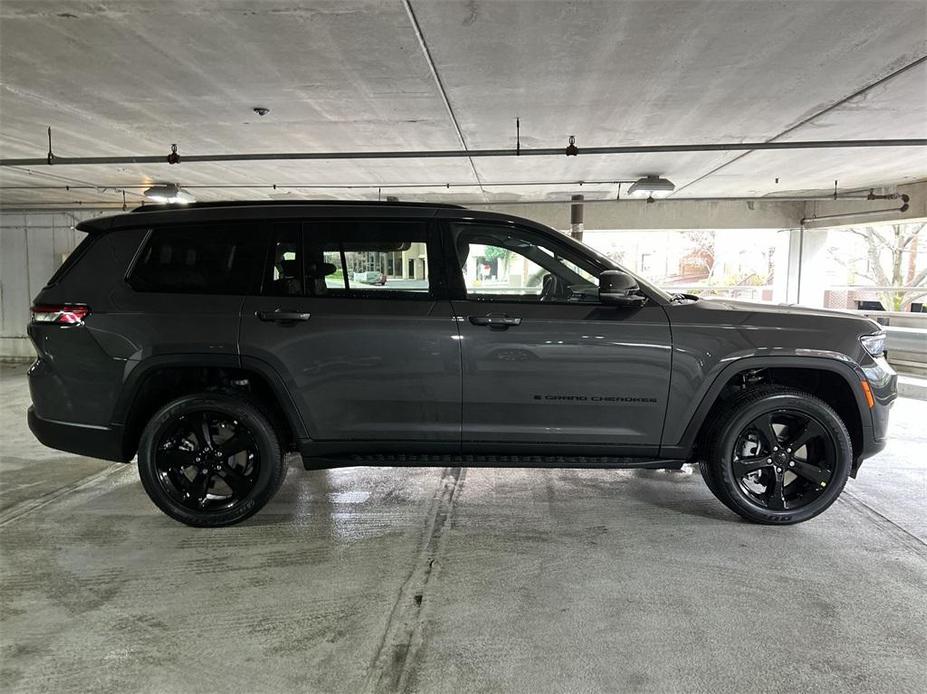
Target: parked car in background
x=370, y=277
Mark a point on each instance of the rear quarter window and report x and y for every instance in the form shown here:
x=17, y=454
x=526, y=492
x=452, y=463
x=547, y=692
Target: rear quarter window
x=200, y=259
x=79, y=251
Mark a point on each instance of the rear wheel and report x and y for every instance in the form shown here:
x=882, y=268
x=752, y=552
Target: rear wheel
x=210, y=460
x=778, y=456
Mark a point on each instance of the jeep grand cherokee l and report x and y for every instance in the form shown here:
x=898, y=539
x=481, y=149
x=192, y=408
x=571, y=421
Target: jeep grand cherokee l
x=213, y=339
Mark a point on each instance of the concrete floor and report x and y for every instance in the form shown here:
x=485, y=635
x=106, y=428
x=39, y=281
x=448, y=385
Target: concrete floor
x=458, y=579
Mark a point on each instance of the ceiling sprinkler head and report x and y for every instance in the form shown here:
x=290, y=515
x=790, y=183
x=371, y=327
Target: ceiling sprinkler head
x=261, y=110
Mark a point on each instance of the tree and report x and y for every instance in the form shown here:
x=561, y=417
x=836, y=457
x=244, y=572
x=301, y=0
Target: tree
x=891, y=261
x=496, y=252
x=503, y=256
x=700, y=254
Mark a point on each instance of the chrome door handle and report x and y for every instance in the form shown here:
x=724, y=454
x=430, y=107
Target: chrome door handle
x=281, y=316
x=495, y=321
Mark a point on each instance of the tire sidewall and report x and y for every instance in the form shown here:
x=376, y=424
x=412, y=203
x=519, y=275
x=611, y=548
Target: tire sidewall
x=268, y=473
x=731, y=430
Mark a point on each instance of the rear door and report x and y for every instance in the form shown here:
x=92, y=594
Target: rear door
x=353, y=316
x=545, y=363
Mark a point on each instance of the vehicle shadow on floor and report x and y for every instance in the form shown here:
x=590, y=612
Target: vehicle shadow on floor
x=674, y=490
x=308, y=495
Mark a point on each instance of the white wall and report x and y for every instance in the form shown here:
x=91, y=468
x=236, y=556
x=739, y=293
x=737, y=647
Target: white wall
x=32, y=246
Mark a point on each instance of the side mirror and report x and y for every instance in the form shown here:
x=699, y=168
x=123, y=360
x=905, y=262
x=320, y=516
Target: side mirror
x=619, y=289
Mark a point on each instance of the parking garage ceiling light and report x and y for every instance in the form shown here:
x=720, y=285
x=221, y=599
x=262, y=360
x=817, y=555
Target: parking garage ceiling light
x=169, y=193
x=651, y=187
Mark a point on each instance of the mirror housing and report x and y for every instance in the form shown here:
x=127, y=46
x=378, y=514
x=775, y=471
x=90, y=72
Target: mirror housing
x=618, y=288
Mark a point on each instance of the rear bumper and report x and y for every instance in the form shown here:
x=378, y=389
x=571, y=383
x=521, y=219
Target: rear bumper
x=82, y=439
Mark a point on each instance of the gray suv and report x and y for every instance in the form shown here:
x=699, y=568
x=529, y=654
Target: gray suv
x=213, y=339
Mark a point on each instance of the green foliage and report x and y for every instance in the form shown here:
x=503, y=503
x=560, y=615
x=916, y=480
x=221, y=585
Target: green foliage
x=493, y=252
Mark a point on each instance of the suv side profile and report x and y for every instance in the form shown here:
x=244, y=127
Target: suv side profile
x=214, y=339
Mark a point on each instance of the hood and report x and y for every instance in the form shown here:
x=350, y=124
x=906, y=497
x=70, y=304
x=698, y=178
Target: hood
x=788, y=310
x=724, y=329
x=780, y=318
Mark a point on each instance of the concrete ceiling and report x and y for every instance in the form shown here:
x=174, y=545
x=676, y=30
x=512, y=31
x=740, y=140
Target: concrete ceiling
x=130, y=78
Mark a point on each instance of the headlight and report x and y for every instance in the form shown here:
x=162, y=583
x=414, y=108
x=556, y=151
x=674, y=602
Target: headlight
x=874, y=344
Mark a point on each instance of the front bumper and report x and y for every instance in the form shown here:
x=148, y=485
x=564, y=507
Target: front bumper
x=884, y=384
x=82, y=439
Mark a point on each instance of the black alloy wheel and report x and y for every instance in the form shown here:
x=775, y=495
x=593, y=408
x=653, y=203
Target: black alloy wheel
x=784, y=459
x=778, y=455
x=210, y=459
x=207, y=461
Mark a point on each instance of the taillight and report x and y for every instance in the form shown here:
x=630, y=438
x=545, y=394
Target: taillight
x=60, y=314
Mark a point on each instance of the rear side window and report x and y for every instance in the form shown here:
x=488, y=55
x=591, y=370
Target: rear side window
x=350, y=259
x=201, y=259
x=369, y=258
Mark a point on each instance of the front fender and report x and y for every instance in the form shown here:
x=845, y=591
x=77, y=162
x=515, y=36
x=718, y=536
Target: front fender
x=682, y=430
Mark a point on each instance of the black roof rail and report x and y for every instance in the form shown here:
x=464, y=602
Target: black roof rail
x=292, y=203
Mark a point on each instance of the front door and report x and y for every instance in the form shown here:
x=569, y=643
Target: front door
x=544, y=362
x=349, y=317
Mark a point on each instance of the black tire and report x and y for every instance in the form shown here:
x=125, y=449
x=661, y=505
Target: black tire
x=189, y=469
x=705, y=469
x=778, y=456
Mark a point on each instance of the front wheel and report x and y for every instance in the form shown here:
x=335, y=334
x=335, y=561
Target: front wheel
x=210, y=460
x=778, y=456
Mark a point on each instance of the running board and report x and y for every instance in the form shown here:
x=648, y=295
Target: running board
x=482, y=460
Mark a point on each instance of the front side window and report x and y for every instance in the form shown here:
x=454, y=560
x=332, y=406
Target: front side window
x=504, y=264
x=200, y=259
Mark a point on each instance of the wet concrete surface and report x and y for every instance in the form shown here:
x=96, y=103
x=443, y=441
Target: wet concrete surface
x=458, y=580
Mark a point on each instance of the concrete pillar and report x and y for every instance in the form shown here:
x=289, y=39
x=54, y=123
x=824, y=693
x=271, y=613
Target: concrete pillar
x=576, y=217
x=784, y=281
x=814, y=277
x=803, y=278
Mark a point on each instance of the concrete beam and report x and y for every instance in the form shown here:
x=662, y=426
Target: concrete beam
x=665, y=214
x=725, y=214
x=917, y=209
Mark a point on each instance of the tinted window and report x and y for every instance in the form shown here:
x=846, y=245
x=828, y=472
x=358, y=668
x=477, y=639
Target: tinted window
x=284, y=277
x=371, y=256
x=72, y=259
x=202, y=259
x=350, y=259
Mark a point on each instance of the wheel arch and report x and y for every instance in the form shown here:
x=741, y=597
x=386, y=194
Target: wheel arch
x=155, y=381
x=838, y=384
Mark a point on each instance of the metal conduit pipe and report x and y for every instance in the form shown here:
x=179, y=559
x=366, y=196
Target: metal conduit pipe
x=344, y=186
x=665, y=200
x=904, y=208
x=101, y=205
x=809, y=220
x=451, y=154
